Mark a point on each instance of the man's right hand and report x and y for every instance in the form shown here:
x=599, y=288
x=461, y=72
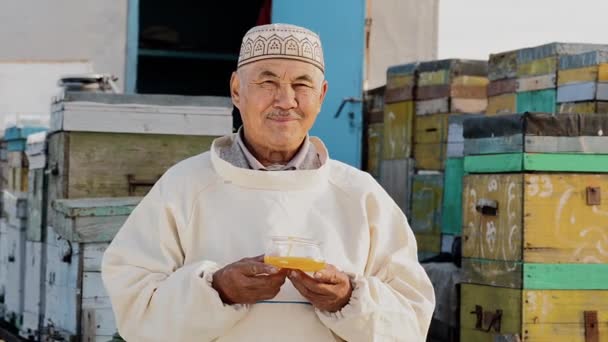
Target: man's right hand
x=248, y=281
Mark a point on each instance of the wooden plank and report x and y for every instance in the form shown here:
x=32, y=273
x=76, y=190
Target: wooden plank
x=396, y=179
x=555, y=49
x=470, y=81
x=398, y=130
x=579, y=144
x=456, y=67
x=492, y=272
x=490, y=299
x=493, y=163
x=451, y=212
x=430, y=156
x=431, y=128
x=458, y=105
x=92, y=256
x=558, y=315
x=469, y=92
x=89, y=228
x=400, y=82
x=86, y=171
x=603, y=73
x=538, y=67
x=427, y=192
x=143, y=119
x=33, y=283
x=433, y=78
x=501, y=104
x=540, y=101
x=486, y=236
x=559, y=225
x=578, y=61
x=566, y=276
x=429, y=243
x=536, y=83
x=455, y=146
x=602, y=92
x=98, y=322
x=508, y=144
x=113, y=206
x=577, y=92
x=588, y=107
x=565, y=162
x=500, y=87
x=580, y=75
x=375, y=136
x=432, y=92
x=433, y=106
x=405, y=93
x=502, y=65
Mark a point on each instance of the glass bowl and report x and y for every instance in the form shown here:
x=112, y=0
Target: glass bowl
x=294, y=253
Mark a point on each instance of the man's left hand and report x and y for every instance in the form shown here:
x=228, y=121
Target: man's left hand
x=329, y=290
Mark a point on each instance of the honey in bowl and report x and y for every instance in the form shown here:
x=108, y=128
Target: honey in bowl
x=297, y=263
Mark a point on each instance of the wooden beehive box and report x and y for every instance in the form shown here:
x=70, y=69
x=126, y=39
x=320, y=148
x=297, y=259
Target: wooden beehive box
x=489, y=314
x=430, y=141
x=451, y=211
x=77, y=305
x=536, y=142
x=112, y=145
x=396, y=179
x=451, y=86
x=502, y=73
x=374, y=128
x=398, y=130
x=15, y=137
x=583, y=77
x=400, y=83
x=427, y=194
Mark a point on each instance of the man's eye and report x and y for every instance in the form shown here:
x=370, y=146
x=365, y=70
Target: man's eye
x=301, y=85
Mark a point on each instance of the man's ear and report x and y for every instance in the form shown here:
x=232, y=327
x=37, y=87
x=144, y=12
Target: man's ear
x=235, y=84
x=324, y=87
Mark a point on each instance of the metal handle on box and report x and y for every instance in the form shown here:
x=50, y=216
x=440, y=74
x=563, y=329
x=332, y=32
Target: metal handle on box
x=487, y=207
x=134, y=183
x=492, y=319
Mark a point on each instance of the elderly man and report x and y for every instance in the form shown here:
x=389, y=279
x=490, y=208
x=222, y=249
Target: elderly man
x=187, y=264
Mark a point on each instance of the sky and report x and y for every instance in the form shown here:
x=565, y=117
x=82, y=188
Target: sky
x=475, y=28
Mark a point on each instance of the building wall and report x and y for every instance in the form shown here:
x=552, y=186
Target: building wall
x=401, y=31
x=92, y=30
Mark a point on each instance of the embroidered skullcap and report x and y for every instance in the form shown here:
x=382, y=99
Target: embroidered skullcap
x=281, y=41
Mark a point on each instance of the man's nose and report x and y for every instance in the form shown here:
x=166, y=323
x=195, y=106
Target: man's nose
x=285, y=98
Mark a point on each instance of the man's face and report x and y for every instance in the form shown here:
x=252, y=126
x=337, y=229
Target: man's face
x=279, y=100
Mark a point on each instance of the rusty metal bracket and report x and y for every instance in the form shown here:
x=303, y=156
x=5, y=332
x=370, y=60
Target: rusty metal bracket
x=489, y=318
x=594, y=195
x=592, y=333
x=134, y=183
x=487, y=207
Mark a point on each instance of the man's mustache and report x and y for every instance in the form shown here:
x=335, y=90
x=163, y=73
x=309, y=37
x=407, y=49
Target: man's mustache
x=283, y=115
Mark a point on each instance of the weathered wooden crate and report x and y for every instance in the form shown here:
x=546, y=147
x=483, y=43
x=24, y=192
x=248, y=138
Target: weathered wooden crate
x=375, y=136
x=536, y=132
x=444, y=71
x=537, y=101
x=455, y=147
x=588, y=91
x=502, y=65
x=111, y=145
x=489, y=314
x=430, y=141
x=502, y=104
x=585, y=107
x=396, y=179
x=451, y=212
x=535, y=230
x=400, y=83
x=398, y=130
x=536, y=83
x=16, y=135
x=427, y=194
x=77, y=305
x=505, y=86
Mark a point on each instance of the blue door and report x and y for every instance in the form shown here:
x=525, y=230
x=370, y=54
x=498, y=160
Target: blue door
x=340, y=24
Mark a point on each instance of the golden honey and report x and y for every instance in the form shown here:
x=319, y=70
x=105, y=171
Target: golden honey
x=297, y=263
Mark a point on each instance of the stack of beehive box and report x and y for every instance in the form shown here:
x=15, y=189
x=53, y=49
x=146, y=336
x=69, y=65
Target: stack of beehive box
x=104, y=152
x=534, y=228
x=3, y=232
x=537, y=69
x=13, y=232
x=444, y=89
x=583, y=83
x=397, y=166
x=502, y=89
